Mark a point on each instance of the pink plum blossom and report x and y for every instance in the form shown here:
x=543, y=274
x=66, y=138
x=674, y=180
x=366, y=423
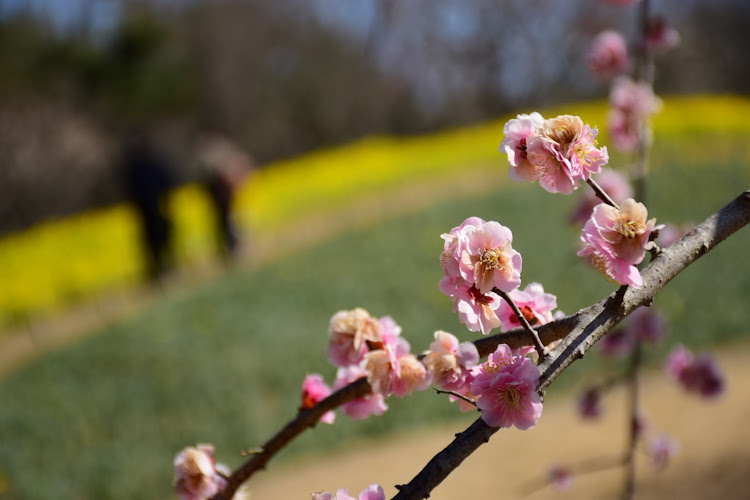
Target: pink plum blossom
x=608, y=55
x=661, y=450
x=476, y=310
x=488, y=260
x=197, y=475
x=617, y=343
x=616, y=240
x=589, y=404
x=515, y=142
x=560, y=477
x=372, y=492
x=647, y=325
x=698, y=375
x=314, y=390
x=360, y=408
x=564, y=151
x=348, y=333
x=633, y=103
x=535, y=305
x=613, y=183
x=450, y=362
x=411, y=376
x=659, y=35
x=454, y=244
x=506, y=386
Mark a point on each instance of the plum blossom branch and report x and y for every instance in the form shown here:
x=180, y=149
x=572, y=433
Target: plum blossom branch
x=601, y=194
x=590, y=325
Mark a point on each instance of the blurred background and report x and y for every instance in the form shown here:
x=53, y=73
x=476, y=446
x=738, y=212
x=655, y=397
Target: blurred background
x=262, y=165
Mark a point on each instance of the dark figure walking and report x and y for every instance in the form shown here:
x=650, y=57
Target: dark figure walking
x=225, y=167
x=148, y=180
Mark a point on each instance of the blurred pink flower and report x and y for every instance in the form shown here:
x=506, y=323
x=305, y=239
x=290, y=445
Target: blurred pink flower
x=659, y=35
x=647, y=324
x=450, y=362
x=348, y=334
x=535, y=305
x=372, y=492
x=671, y=233
x=661, y=450
x=506, y=386
x=616, y=240
x=608, y=55
x=618, y=343
x=475, y=310
x=613, y=183
x=360, y=408
x=560, y=477
x=515, y=142
x=699, y=375
x=196, y=476
x=589, y=404
x=487, y=259
x=563, y=151
x=633, y=103
x=314, y=390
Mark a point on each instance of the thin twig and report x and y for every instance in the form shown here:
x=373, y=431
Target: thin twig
x=456, y=395
x=601, y=193
x=540, y=349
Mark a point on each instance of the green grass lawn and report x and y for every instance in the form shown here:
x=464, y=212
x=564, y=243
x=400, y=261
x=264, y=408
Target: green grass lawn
x=223, y=363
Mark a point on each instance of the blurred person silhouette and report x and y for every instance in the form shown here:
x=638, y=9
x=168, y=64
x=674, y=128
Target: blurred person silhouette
x=224, y=167
x=149, y=179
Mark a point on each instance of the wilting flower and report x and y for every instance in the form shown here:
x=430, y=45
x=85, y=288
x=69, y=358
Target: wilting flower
x=608, y=55
x=535, y=305
x=197, y=476
x=314, y=390
x=349, y=333
x=613, y=183
x=632, y=104
x=696, y=374
x=515, y=143
x=589, y=404
x=506, y=386
x=659, y=35
x=662, y=449
x=360, y=408
x=615, y=240
x=476, y=310
x=372, y=492
x=450, y=362
x=560, y=477
x=564, y=151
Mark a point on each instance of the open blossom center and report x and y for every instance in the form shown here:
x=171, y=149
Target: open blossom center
x=628, y=227
x=511, y=396
x=492, y=259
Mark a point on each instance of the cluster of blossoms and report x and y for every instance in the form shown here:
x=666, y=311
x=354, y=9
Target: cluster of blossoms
x=363, y=346
x=372, y=492
x=698, y=375
x=558, y=152
x=197, y=475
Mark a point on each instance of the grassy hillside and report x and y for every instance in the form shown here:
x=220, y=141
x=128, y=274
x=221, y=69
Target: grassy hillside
x=223, y=362
x=61, y=262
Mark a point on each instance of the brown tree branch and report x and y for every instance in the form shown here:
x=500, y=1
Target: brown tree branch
x=590, y=325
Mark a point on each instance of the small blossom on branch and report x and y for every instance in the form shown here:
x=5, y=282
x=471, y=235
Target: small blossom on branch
x=632, y=104
x=661, y=450
x=314, y=390
x=698, y=375
x=348, y=333
x=659, y=36
x=560, y=477
x=534, y=303
x=476, y=310
x=197, y=476
x=360, y=408
x=608, y=55
x=517, y=133
x=611, y=182
x=589, y=404
x=506, y=387
x=616, y=240
x=450, y=362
